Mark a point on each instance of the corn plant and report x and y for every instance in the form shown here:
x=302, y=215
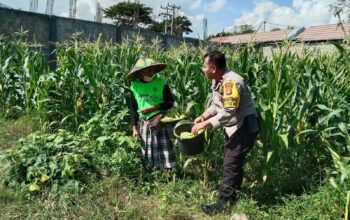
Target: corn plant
x=22, y=65
x=302, y=98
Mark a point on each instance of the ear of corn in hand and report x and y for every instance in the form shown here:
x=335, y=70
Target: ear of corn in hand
x=173, y=115
x=172, y=118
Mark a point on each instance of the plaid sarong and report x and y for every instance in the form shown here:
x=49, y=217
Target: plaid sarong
x=157, y=148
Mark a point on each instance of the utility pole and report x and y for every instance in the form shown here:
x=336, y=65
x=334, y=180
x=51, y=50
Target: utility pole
x=72, y=8
x=136, y=14
x=173, y=7
x=264, y=25
x=33, y=5
x=98, y=17
x=167, y=15
x=49, y=7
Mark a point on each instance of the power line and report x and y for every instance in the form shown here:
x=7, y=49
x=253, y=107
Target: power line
x=282, y=25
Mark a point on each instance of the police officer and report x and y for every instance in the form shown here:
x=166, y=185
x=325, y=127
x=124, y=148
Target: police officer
x=232, y=108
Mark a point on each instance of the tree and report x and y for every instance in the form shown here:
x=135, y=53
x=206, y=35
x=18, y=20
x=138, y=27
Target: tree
x=243, y=29
x=275, y=29
x=181, y=25
x=221, y=34
x=339, y=7
x=129, y=14
x=139, y=15
x=157, y=26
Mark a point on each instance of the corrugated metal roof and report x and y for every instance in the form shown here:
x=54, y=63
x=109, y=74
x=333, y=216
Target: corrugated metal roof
x=323, y=33
x=313, y=33
x=260, y=37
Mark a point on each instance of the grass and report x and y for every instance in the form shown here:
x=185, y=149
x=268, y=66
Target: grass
x=12, y=130
x=159, y=198
x=325, y=203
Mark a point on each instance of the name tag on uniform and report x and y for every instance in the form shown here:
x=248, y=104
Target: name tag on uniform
x=231, y=95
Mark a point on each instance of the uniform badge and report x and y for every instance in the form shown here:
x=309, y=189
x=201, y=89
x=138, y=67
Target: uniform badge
x=231, y=95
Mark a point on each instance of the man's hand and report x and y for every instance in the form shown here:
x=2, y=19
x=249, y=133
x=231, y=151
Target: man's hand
x=150, y=109
x=199, y=126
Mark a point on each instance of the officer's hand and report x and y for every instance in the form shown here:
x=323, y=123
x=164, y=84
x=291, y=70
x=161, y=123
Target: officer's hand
x=197, y=127
x=198, y=119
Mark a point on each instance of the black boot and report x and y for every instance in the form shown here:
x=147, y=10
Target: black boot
x=220, y=206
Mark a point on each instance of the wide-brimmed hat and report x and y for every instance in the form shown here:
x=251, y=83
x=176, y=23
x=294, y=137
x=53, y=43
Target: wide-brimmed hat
x=145, y=64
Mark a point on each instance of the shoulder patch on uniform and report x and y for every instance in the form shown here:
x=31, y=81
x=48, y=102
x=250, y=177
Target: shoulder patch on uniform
x=228, y=87
x=231, y=94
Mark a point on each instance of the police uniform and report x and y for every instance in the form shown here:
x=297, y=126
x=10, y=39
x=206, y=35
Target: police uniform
x=233, y=108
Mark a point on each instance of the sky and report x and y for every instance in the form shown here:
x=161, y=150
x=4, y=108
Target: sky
x=221, y=15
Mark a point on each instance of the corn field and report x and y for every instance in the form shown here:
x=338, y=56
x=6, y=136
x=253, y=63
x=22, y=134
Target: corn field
x=303, y=102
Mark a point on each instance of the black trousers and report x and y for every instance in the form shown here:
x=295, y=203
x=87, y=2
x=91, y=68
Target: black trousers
x=236, y=148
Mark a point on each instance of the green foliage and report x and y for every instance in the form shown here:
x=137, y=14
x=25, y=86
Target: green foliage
x=339, y=7
x=181, y=25
x=131, y=14
x=12, y=130
x=302, y=101
x=124, y=14
x=326, y=203
x=21, y=68
x=66, y=162
x=242, y=29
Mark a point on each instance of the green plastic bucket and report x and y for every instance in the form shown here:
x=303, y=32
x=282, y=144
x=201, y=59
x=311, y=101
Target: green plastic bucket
x=189, y=146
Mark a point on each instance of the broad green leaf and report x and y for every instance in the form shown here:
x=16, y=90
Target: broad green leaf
x=333, y=183
x=284, y=139
x=102, y=139
x=188, y=161
x=269, y=154
x=44, y=177
x=34, y=187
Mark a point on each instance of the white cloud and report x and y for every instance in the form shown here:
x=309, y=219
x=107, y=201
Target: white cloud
x=199, y=17
x=197, y=25
x=215, y=6
x=86, y=9
x=195, y=4
x=301, y=13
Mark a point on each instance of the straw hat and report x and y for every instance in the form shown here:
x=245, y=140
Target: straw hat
x=145, y=64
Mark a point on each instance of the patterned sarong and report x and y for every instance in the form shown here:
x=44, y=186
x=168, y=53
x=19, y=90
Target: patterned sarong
x=157, y=148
